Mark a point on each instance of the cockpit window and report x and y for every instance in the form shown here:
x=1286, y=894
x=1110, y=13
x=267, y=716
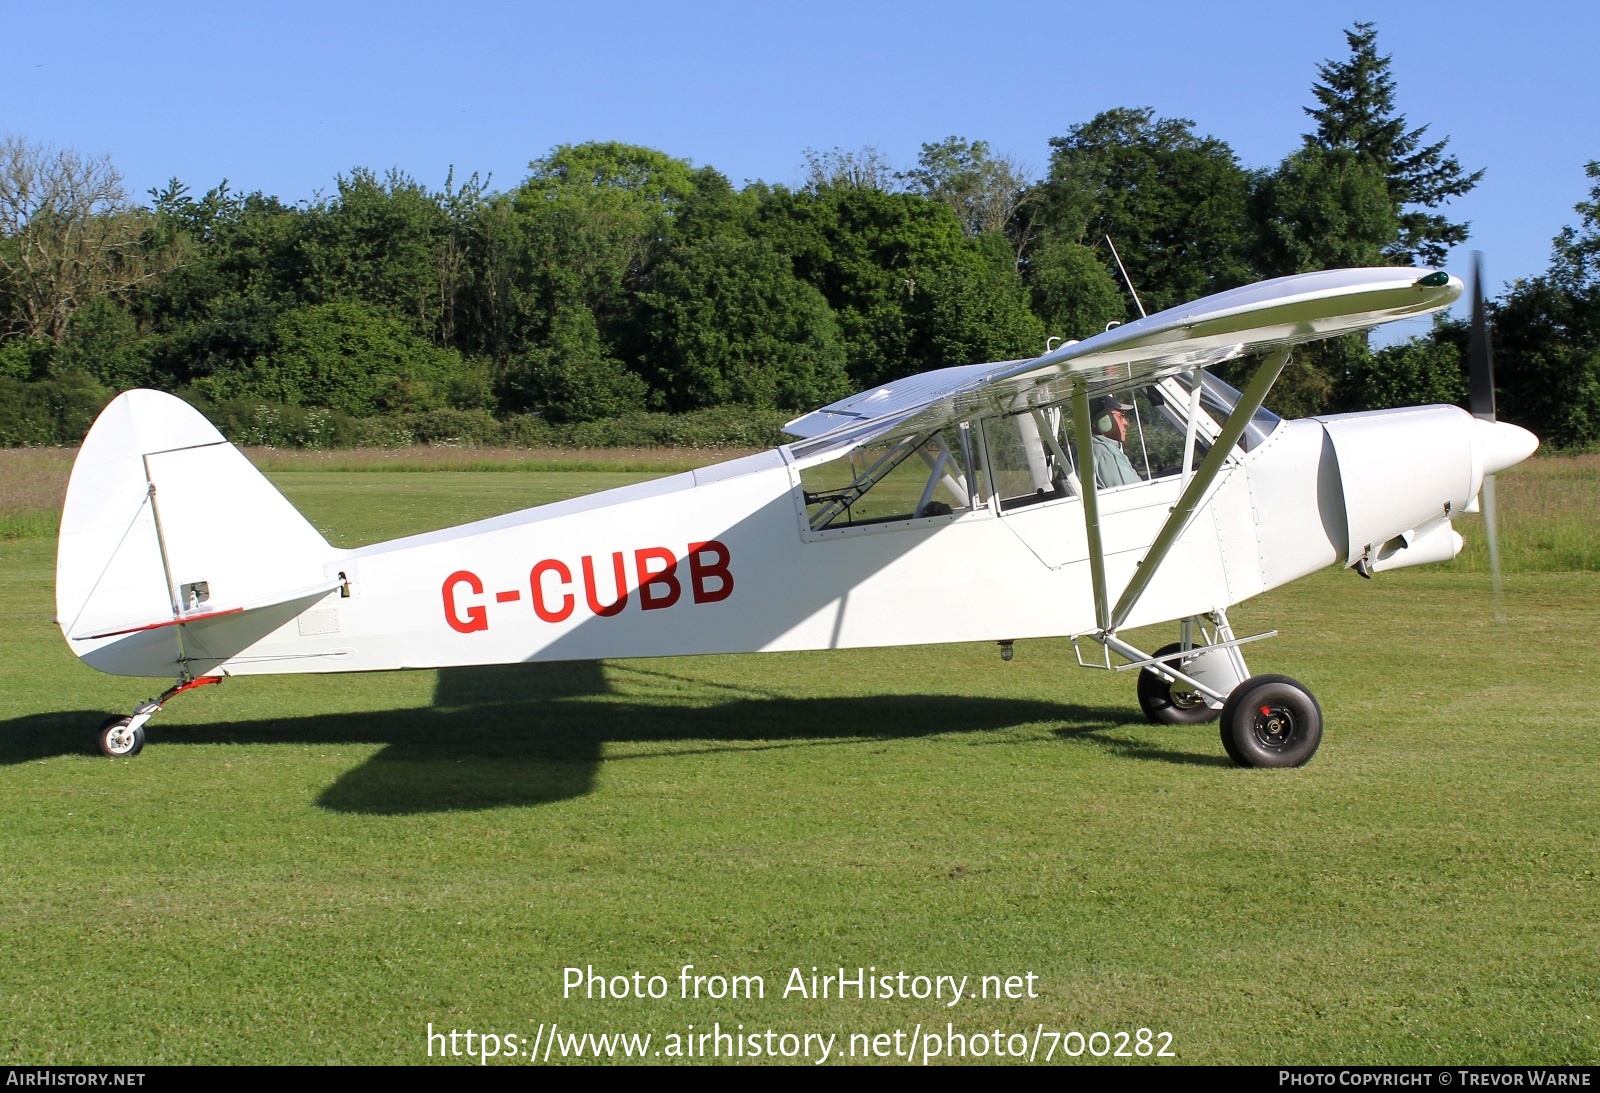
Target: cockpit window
x=906, y=478
x=1155, y=433
x=1028, y=458
x=1219, y=399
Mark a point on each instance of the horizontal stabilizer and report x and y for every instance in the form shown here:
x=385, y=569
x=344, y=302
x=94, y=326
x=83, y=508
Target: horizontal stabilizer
x=207, y=613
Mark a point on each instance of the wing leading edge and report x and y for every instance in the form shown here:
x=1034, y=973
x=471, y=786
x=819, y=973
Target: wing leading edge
x=1268, y=315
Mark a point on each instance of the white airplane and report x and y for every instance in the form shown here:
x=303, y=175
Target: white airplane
x=958, y=505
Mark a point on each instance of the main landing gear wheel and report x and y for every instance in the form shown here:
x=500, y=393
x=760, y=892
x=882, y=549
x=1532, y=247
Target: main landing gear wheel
x=118, y=740
x=1169, y=704
x=1271, y=721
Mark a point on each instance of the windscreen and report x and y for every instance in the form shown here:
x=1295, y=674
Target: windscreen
x=1218, y=399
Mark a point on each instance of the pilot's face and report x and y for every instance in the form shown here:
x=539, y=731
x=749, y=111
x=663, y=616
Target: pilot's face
x=1119, y=426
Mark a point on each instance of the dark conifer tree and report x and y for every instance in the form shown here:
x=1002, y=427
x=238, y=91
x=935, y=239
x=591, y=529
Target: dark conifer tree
x=1357, y=112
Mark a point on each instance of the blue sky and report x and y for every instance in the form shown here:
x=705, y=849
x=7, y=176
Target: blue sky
x=285, y=97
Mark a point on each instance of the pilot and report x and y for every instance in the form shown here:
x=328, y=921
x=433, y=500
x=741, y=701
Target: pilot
x=1109, y=423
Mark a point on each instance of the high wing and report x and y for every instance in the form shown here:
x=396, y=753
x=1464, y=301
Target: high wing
x=1268, y=315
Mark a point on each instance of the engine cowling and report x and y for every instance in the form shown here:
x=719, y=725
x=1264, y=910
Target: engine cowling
x=1403, y=473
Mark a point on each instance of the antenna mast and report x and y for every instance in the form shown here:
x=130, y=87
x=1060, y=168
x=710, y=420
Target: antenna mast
x=1126, y=279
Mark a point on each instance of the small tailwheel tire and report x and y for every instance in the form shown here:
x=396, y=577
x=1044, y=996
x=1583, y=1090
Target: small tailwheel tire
x=1271, y=721
x=1166, y=703
x=118, y=739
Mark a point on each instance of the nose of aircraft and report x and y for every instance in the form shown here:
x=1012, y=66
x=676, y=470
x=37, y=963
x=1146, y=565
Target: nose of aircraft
x=1501, y=444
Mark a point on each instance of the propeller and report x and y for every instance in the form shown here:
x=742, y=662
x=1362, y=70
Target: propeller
x=1480, y=375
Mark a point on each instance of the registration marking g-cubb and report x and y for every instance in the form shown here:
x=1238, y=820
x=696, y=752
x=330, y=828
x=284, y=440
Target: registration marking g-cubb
x=552, y=586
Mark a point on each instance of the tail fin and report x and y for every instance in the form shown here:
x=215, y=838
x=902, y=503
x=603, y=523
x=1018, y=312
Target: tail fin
x=167, y=524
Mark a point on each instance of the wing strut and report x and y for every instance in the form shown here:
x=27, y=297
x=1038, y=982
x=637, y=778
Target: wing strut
x=1084, y=450
x=1255, y=393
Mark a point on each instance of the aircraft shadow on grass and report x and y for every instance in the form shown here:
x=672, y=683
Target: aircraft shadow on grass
x=529, y=734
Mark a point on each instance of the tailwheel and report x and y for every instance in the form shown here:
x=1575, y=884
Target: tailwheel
x=1166, y=703
x=1271, y=721
x=120, y=738
x=124, y=736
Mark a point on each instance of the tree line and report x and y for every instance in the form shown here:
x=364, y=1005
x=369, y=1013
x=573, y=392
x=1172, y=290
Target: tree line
x=618, y=291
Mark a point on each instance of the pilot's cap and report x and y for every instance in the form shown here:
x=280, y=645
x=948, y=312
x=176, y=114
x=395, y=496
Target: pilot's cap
x=1107, y=403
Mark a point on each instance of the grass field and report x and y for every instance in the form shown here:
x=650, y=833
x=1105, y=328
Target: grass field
x=314, y=869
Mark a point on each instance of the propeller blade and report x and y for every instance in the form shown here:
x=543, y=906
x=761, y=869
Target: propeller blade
x=1480, y=375
x=1491, y=525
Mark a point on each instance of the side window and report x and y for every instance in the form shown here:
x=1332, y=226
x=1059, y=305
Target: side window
x=1156, y=433
x=907, y=478
x=1030, y=460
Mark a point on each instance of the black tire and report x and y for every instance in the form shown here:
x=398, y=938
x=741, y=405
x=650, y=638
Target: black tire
x=114, y=739
x=1271, y=721
x=1164, y=706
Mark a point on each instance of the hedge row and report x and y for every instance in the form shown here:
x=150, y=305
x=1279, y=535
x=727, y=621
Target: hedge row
x=59, y=411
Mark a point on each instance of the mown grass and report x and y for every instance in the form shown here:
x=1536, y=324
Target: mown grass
x=312, y=869
x=1549, y=518
x=32, y=483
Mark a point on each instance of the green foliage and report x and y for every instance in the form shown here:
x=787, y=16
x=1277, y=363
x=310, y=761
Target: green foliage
x=245, y=265
x=863, y=169
x=1073, y=293
x=885, y=263
x=67, y=235
x=102, y=340
x=1576, y=262
x=1546, y=337
x=572, y=377
x=383, y=243
x=57, y=410
x=615, y=278
x=344, y=357
x=1417, y=372
x=732, y=323
x=978, y=310
x=610, y=167
x=26, y=358
x=1322, y=209
x=1356, y=113
x=1306, y=386
x=583, y=230
x=1547, y=360
x=1172, y=201
x=272, y=425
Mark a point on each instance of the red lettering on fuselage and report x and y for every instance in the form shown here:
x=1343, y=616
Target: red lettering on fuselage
x=550, y=584
x=476, y=617
x=699, y=570
x=540, y=608
x=620, y=575
x=666, y=577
